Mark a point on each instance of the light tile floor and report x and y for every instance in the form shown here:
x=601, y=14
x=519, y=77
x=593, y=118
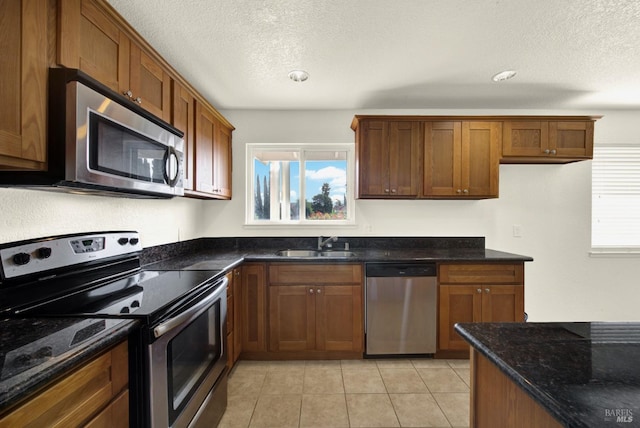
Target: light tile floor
x=348, y=393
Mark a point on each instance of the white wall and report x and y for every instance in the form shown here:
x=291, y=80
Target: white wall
x=552, y=203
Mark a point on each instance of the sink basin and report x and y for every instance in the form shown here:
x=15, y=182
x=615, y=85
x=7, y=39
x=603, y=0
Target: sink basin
x=298, y=253
x=337, y=253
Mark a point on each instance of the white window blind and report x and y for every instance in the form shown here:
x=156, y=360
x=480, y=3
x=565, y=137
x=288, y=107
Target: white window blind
x=615, y=221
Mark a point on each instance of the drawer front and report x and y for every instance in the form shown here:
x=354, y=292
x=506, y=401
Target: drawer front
x=314, y=273
x=486, y=273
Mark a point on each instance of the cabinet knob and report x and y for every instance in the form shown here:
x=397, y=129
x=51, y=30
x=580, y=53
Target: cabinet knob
x=465, y=191
x=138, y=100
x=553, y=152
x=458, y=191
x=479, y=290
x=319, y=291
x=486, y=290
x=311, y=291
x=386, y=190
x=547, y=151
x=128, y=93
x=393, y=190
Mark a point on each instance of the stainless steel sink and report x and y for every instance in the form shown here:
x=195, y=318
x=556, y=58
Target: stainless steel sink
x=314, y=253
x=298, y=253
x=337, y=253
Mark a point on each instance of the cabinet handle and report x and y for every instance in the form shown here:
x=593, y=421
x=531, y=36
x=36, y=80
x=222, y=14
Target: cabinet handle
x=458, y=191
x=553, y=152
x=393, y=190
x=547, y=151
x=319, y=291
x=486, y=290
x=479, y=290
x=311, y=291
x=128, y=94
x=138, y=100
x=465, y=191
x=386, y=190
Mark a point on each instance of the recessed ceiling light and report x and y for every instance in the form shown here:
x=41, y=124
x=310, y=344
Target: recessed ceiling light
x=504, y=75
x=298, y=75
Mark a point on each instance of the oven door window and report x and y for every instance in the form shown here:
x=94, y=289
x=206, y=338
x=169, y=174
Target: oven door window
x=118, y=150
x=190, y=356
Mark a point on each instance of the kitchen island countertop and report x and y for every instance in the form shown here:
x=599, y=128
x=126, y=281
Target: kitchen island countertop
x=583, y=374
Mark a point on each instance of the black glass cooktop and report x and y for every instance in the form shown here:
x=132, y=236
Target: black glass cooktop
x=146, y=294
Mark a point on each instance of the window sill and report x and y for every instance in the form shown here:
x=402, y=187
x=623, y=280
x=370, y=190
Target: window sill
x=614, y=252
x=306, y=225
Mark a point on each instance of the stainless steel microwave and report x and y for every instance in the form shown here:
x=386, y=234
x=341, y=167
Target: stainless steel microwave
x=98, y=141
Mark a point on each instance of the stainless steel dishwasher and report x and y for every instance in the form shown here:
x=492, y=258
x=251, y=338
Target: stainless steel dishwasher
x=400, y=308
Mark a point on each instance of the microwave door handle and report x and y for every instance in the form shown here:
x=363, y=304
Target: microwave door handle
x=192, y=312
x=171, y=163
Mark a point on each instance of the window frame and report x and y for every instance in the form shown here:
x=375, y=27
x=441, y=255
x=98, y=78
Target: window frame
x=612, y=250
x=251, y=148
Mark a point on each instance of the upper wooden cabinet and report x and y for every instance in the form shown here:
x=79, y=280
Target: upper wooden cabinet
x=388, y=159
x=548, y=141
x=24, y=66
x=461, y=159
x=92, y=39
x=212, y=155
x=183, y=117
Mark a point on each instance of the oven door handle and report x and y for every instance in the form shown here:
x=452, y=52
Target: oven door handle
x=192, y=312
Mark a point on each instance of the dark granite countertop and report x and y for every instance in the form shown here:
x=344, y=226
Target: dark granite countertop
x=34, y=352
x=584, y=374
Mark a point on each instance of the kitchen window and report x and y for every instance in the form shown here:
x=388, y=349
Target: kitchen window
x=300, y=185
x=615, y=225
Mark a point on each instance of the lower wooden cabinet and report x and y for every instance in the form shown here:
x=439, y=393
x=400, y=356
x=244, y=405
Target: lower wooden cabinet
x=94, y=395
x=234, y=317
x=477, y=293
x=254, y=307
x=315, y=307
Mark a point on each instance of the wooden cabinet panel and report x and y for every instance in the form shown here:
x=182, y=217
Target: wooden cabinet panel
x=547, y=141
x=212, y=154
x=486, y=292
x=89, y=40
x=183, y=118
x=314, y=273
x=292, y=318
x=80, y=396
x=237, y=313
x=23, y=83
x=115, y=415
x=388, y=159
x=339, y=318
x=150, y=84
x=254, y=307
x=461, y=159
x=488, y=273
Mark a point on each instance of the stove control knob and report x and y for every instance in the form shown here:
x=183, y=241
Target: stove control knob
x=124, y=310
x=133, y=241
x=123, y=241
x=43, y=252
x=21, y=259
x=135, y=304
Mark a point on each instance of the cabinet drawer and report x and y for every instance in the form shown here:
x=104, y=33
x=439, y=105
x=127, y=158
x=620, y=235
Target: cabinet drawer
x=312, y=273
x=76, y=398
x=512, y=273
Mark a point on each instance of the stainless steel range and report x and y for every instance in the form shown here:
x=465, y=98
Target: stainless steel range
x=177, y=356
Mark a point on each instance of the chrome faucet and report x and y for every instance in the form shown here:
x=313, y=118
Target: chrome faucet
x=327, y=242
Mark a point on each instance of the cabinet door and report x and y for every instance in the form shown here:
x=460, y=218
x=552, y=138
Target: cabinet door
x=23, y=83
x=222, y=162
x=339, y=318
x=571, y=139
x=292, y=317
x=183, y=118
x=480, y=160
x=254, y=307
x=91, y=41
x=237, y=314
x=403, y=155
x=458, y=303
x=373, y=159
x=502, y=303
x=150, y=84
x=442, y=158
x=115, y=415
x=206, y=129
x=525, y=138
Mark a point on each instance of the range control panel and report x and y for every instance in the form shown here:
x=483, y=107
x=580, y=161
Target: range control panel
x=41, y=255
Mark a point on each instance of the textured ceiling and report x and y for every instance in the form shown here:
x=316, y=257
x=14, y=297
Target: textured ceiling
x=569, y=54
